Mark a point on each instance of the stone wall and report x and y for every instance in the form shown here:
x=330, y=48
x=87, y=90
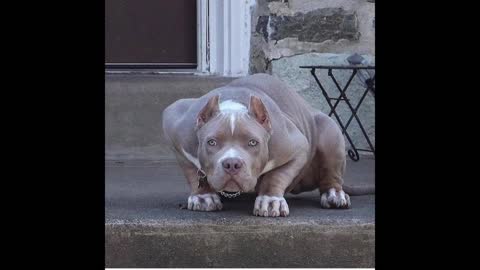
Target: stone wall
x=289, y=33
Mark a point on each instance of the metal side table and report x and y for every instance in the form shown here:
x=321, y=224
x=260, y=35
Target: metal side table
x=369, y=83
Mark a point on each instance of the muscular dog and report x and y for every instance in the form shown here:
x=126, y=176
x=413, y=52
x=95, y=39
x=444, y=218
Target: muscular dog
x=257, y=135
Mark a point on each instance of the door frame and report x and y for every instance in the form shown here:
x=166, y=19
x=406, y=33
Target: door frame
x=224, y=29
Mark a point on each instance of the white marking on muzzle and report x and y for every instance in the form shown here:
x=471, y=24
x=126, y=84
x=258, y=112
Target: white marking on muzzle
x=230, y=153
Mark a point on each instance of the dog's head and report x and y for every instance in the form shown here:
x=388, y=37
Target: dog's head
x=233, y=143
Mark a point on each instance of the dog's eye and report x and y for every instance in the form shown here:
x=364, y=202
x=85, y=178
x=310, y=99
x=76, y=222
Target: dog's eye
x=212, y=142
x=252, y=143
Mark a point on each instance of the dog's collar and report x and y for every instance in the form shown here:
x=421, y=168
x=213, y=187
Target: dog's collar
x=202, y=180
x=230, y=195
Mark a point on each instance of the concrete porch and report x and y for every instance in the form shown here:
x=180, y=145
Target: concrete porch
x=145, y=225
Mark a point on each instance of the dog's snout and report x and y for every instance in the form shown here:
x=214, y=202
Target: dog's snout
x=232, y=165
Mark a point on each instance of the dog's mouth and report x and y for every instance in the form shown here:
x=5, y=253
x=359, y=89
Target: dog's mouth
x=231, y=187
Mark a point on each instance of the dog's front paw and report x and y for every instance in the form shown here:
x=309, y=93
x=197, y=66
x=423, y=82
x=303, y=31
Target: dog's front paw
x=335, y=199
x=270, y=206
x=204, y=202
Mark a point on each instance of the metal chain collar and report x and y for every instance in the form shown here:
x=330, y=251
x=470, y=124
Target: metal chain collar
x=202, y=179
x=228, y=195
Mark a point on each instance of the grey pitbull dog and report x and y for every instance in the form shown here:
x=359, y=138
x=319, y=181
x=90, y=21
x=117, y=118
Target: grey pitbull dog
x=257, y=135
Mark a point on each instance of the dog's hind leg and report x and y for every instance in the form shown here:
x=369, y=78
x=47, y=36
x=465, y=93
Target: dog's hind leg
x=331, y=161
x=330, y=186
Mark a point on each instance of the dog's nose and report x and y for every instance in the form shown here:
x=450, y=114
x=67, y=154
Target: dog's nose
x=232, y=165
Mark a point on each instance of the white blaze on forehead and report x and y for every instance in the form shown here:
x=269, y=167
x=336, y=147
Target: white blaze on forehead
x=232, y=106
x=233, y=109
x=232, y=122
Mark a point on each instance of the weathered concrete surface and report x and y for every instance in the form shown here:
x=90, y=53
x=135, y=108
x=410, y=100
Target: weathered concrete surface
x=218, y=246
x=145, y=226
x=287, y=69
x=133, y=110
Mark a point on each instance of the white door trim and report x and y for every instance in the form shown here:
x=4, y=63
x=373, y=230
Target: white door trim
x=223, y=41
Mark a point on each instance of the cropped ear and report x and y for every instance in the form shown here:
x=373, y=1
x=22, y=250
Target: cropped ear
x=259, y=111
x=208, y=111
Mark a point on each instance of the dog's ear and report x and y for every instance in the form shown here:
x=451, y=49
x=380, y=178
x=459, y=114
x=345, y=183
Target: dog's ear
x=259, y=111
x=208, y=111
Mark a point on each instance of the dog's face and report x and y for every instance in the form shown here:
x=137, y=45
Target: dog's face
x=233, y=143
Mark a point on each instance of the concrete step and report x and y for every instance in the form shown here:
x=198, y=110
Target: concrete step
x=133, y=110
x=145, y=225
